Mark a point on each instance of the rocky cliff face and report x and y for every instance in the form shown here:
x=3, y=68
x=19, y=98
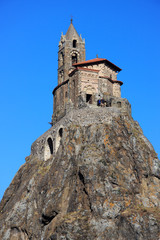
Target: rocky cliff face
x=102, y=183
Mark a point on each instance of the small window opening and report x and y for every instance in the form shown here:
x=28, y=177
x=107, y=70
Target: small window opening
x=119, y=104
x=66, y=94
x=61, y=132
x=50, y=144
x=74, y=43
x=89, y=98
x=74, y=58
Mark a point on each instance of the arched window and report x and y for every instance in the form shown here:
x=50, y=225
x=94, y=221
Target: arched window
x=50, y=144
x=61, y=132
x=74, y=43
x=48, y=148
x=74, y=58
x=58, y=138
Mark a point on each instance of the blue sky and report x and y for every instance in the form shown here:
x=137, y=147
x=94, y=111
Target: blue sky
x=125, y=32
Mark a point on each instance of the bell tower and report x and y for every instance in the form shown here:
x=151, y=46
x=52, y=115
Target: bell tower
x=71, y=50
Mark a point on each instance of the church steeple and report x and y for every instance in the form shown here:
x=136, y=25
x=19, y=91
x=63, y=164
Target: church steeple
x=71, y=50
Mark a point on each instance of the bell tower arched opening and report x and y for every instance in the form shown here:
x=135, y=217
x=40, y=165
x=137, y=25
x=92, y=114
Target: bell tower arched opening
x=71, y=50
x=74, y=58
x=74, y=43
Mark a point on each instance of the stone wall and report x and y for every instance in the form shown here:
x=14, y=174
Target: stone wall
x=60, y=100
x=65, y=54
x=116, y=90
x=104, y=70
x=73, y=89
x=105, y=87
x=87, y=114
x=85, y=85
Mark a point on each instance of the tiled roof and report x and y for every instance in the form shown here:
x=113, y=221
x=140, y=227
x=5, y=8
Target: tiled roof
x=98, y=60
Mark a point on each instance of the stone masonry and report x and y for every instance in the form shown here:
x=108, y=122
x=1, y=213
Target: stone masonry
x=82, y=82
x=80, y=85
x=47, y=144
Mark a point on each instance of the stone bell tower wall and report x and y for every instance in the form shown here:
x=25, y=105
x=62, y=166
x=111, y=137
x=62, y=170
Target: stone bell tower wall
x=71, y=50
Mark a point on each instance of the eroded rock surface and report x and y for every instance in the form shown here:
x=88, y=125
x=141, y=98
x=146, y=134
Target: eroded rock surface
x=102, y=183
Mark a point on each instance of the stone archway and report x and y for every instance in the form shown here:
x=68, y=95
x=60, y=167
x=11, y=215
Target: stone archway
x=90, y=93
x=75, y=56
x=59, y=137
x=49, y=148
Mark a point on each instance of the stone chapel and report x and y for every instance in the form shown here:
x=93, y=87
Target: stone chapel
x=83, y=87
x=82, y=82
